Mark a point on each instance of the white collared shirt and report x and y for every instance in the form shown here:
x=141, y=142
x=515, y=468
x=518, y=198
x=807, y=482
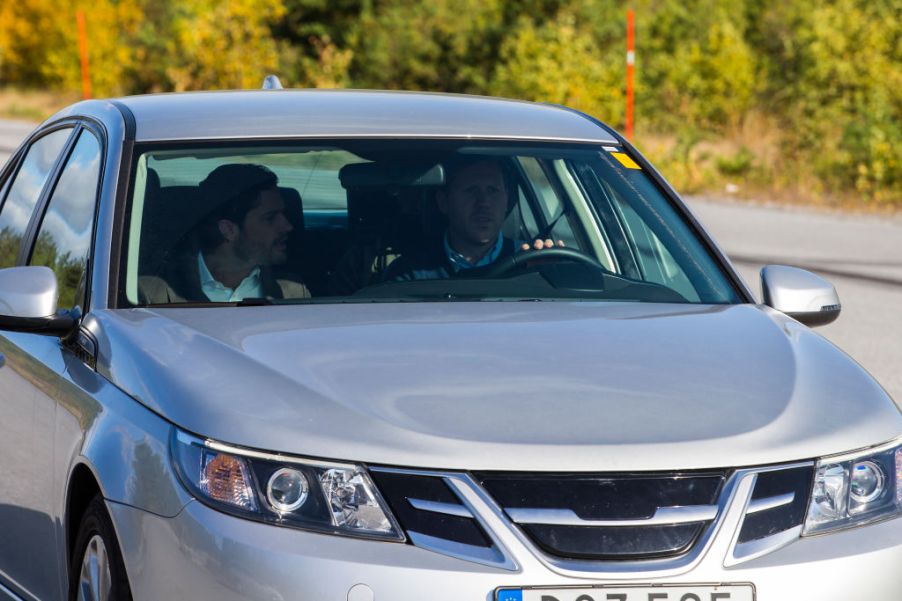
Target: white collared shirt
x=250, y=287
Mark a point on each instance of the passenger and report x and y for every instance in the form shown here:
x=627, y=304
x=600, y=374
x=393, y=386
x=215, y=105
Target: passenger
x=476, y=202
x=236, y=244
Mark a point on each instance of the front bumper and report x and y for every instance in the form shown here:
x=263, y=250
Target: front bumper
x=204, y=554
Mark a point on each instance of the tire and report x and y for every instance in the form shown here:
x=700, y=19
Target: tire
x=96, y=539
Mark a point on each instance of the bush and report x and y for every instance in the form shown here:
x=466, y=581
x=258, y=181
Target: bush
x=739, y=164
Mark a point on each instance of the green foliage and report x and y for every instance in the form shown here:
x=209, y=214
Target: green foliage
x=442, y=46
x=69, y=270
x=9, y=247
x=740, y=163
x=558, y=61
x=695, y=67
x=835, y=69
x=216, y=45
x=828, y=74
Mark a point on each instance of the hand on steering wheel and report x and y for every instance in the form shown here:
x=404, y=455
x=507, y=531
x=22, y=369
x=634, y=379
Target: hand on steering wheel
x=540, y=244
x=554, y=253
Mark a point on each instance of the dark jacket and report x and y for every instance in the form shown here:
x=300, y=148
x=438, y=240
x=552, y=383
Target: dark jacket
x=433, y=264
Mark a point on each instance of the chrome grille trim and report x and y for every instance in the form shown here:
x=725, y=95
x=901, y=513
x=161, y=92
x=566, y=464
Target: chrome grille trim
x=757, y=505
x=567, y=517
x=738, y=553
x=733, y=489
x=497, y=556
x=762, y=546
x=717, y=543
x=436, y=507
x=484, y=555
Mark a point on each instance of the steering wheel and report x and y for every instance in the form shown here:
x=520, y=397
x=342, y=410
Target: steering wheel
x=555, y=253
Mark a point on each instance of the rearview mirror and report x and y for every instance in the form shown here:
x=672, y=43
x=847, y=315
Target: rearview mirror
x=28, y=302
x=800, y=294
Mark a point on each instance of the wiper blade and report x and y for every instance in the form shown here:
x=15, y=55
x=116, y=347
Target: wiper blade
x=254, y=301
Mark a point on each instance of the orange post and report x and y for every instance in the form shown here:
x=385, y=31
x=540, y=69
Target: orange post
x=630, y=60
x=83, y=51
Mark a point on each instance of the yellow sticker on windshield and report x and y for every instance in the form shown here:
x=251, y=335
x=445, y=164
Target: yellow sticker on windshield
x=625, y=160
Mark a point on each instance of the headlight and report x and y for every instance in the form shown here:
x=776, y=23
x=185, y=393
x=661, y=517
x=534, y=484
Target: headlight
x=314, y=495
x=856, y=489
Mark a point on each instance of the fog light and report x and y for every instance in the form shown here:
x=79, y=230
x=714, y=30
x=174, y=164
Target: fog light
x=867, y=482
x=287, y=490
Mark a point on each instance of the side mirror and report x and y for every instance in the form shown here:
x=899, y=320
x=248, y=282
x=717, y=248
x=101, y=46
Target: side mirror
x=28, y=297
x=800, y=294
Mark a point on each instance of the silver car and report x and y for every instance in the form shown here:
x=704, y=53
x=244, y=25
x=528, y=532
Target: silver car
x=329, y=345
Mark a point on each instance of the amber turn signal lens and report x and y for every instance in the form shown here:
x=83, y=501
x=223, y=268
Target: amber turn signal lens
x=225, y=479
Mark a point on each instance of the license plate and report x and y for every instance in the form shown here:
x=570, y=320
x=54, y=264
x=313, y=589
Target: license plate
x=691, y=592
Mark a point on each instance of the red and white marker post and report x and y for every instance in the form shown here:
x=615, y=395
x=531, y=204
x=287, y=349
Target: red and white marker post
x=83, y=52
x=630, y=60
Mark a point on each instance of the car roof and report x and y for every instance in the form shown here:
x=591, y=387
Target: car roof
x=352, y=114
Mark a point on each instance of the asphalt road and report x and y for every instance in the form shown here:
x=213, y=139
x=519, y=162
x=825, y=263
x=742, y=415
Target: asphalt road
x=861, y=255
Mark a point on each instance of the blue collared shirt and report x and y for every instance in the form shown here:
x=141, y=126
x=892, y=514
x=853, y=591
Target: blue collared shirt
x=458, y=261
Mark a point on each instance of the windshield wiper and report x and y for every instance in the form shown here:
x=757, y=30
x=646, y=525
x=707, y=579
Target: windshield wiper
x=253, y=301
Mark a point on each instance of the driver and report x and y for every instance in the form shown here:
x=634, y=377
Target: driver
x=475, y=203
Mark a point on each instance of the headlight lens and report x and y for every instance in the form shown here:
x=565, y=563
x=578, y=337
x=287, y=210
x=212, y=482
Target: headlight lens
x=322, y=496
x=287, y=489
x=856, y=489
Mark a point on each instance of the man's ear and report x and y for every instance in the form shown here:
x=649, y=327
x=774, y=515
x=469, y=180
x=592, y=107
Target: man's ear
x=441, y=201
x=229, y=229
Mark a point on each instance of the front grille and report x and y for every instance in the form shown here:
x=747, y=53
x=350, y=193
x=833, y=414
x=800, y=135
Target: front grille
x=778, y=504
x=619, y=542
x=609, y=517
x=424, y=505
x=436, y=518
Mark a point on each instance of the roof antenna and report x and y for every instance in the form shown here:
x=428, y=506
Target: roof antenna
x=271, y=82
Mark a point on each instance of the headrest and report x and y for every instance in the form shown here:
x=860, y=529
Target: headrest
x=387, y=175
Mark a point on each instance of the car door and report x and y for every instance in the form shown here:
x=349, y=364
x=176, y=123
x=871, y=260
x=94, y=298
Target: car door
x=58, y=235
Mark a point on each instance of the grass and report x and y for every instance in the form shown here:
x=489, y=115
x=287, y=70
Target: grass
x=751, y=162
x=32, y=105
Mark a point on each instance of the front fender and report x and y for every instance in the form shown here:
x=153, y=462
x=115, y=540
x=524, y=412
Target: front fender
x=122, y=443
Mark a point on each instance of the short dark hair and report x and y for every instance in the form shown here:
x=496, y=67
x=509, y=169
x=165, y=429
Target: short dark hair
x=231, y=191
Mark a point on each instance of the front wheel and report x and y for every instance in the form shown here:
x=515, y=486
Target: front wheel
x=96, y=571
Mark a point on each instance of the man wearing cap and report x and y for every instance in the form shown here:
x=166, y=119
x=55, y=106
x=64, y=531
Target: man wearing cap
x=475, y=202
x=243, y=234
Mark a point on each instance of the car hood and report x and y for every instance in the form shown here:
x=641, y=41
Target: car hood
x=502, y=386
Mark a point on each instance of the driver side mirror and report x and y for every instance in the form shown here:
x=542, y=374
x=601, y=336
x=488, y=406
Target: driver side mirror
x=28, y=302
x=800, y=294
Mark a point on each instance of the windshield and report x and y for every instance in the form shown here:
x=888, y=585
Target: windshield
x=393, y=221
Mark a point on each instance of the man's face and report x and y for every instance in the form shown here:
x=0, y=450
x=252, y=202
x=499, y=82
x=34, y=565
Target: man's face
x=475, y=203
x=263, y=237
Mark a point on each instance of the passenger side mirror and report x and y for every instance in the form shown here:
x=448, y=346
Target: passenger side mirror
x=28, y=302
x=800, y=294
